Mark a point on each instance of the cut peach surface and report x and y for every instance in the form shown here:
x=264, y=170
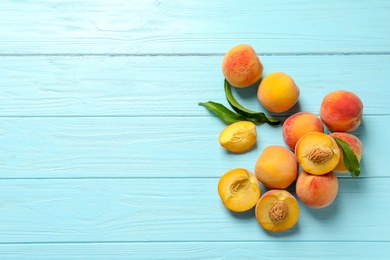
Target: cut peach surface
x=317, y=153
x=356, y=145
x=239, y=190
x=238, y=137
x=277, y=210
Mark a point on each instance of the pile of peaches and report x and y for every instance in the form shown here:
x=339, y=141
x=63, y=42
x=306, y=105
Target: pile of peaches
x=310, y=157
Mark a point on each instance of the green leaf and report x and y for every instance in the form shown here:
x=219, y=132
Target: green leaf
x=257, y=117
x=350, y=159
x=223, y=112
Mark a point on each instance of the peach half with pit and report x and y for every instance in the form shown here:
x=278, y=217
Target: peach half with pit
x=276, y=167
x=239, y=190
x=278, y=92
x=241, y=66
x=277, y=210
x=317, y=153
x=341, y=111
x=299, y=124
x=354, y=143
x=317, y=191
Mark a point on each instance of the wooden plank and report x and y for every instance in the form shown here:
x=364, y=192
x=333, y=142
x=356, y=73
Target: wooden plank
x=167, y=86
x=175, y=209
x=160, y=27
x=56, y=147
x=199, y=250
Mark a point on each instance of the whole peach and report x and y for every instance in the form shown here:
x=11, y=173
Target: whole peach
x=299, y=124
x=241, y=66
x=356, y=145
x=341, y=111
x=278, y=92
x=317, y=191
x=276, y=167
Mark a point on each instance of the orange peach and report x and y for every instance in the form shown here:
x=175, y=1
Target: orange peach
x=341, y=111
x=277, y=210
x=318, y=153
x=356, y=145
x=239, y=190
x=241, y=66
x=278, y=92
x=317, y=191
x=276, y=167
x=299, y=124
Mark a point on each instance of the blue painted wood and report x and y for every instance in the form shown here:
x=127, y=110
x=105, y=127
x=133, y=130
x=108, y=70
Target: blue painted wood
x=63, y=147
x=175, y=209
x=171, y=26
x=173, y=85
x=105, y=154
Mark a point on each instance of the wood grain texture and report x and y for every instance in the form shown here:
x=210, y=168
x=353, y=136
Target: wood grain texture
x=173, y=86
x=138, y=147
x=175, y=209
x=105, y=153
x=200, y=250
x=167, y=27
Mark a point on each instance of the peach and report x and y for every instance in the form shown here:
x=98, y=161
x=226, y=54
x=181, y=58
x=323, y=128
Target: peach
x=341, y=111
x=276, y=167
x=318, y=153
x=277, y=210
x=278, y=92
x=239, y=190
x=356, y=145
x=241, y=66
x=238, y=137
x=299, y=124
x=317, y=191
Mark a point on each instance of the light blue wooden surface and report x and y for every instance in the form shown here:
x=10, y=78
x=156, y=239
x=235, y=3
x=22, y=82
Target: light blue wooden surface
x=105, y=153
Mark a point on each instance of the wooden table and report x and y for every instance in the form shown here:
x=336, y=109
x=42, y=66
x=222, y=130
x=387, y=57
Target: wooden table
x=105, y=153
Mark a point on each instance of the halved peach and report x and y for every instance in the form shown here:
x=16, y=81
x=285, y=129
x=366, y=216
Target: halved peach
x=238, y=137
x=318, y=153
x=277, y=210
x=239, y=190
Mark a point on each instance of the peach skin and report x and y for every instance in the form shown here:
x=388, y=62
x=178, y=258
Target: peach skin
x=341, y=111
x=241, y=66
x=299, y=124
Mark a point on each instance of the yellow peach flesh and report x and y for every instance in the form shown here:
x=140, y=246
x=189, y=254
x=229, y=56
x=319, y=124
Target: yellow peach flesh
x=238, y=137
x=277, y=210
x=239, y=190
x=317, y=153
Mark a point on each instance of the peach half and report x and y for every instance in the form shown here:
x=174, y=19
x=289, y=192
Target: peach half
x=239, y=190
x=317, y=153
x=277, y=210
x=356, y=145
x=299, y=124
x=241, y=66
x=278, y=92
x=341, y=111
x=238, y=137
x=317, y=191
x=276, y=167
